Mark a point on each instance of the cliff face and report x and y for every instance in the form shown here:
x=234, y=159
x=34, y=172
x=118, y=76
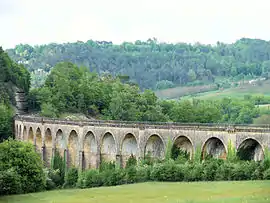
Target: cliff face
x=21, y=101
x=16, y=97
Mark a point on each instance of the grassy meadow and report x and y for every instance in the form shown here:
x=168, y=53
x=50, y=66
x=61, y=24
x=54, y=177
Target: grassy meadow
x=195, y=192
x=209, y=93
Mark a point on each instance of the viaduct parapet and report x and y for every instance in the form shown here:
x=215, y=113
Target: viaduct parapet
x=86, y=143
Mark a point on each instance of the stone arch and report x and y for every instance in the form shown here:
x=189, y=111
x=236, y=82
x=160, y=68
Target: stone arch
x=48, y=147
x=129, y=147
x=31, y=136
x=73, y=149
x=38, y=141
x=250, y=149
x=90, y=146
x=183, y=143
x=60, y=143
x=108, y=148
x=155, y=147
x=214, y=147
x=24, y=133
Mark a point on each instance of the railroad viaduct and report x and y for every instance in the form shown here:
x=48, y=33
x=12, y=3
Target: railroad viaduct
x=86, y=143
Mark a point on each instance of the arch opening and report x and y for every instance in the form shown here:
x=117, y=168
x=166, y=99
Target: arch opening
x=214, y=148
x=48, y=147
x=182, y=147
x=89, y=151
x=129, y=148
x=38, y=141
x=31, y=136
x=24, y=133
x=60, y=143
x=73, y=153
x=250, y=149
x=154, y=147
x=108, y=148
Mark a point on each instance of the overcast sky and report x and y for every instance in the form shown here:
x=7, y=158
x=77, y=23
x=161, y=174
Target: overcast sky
x=204, y=21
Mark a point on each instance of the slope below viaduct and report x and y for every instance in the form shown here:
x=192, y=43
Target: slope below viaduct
x=86, y=143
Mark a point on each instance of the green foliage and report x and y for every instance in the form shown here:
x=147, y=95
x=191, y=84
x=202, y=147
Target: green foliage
x=12, y=72
x=131, y=162
x=106, y=166
x=5, y=121
x=170, y=170
x=50, y=177
x=71, y=178
x=181, y=156
x=198, y=154
x=59, y=169
x=164, y=84
x=169, y=148
x=74, y=89
x=10, y=182
x=266, y=174
x=231, y=155
x=48, y=110
x=89, y=178
x=25, y=161
x=154, y=64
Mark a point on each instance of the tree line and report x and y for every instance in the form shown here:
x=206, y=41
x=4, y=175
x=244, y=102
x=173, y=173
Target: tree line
x=151, y=64
x=72, y=89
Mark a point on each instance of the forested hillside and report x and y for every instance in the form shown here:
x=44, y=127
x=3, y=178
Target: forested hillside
x=12, y=76
x=152, y=64
x=72, y=89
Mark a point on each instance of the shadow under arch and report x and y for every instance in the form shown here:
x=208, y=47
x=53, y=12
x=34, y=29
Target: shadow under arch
x=73, y=149
x=48, y=147
x=214, y=147
x=31, y=136
x=24, y=134
x=90, y=148
x=108, y=148
x=60, y=142
x=38, y=141
x=129, y=147
x=250, y=149
x=154, y=147
x=182, y=145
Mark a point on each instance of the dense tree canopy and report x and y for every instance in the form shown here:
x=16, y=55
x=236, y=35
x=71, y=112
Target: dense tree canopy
x=73, y=89
x=12, y=76
x=152, y=64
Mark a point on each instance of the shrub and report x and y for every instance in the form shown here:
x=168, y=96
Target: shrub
x=238, y=172
x=266, y=174
x=59, y=168
x=143, y=173
x=210, y=168
x=89, y=178
x=22, y=157
x=224, y=171
x=105, y=166
x=48, y=110
x=5, y=121
x=113, y=177
x=10, y=182
x=131, y=174
x=71, y=178
x=50, y=185
x=193, y=172
x=131, y=162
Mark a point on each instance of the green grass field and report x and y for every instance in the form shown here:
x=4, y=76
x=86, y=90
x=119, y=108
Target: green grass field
x=233, y=92
x=197, y=192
